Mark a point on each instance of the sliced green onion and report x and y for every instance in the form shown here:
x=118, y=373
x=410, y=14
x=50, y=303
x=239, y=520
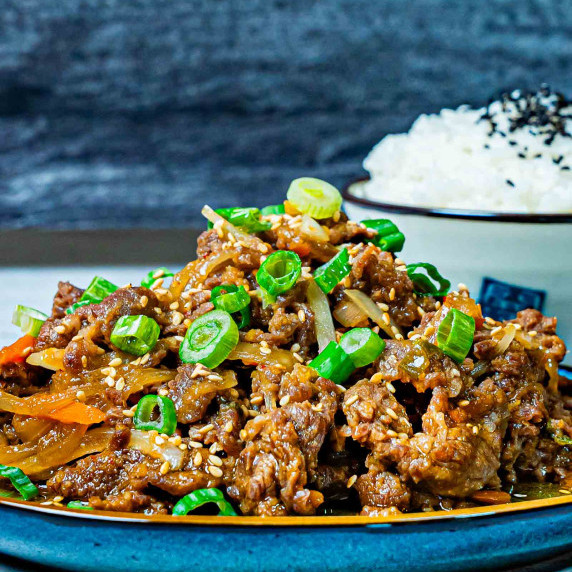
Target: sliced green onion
x=333, y=363
x=29, y=320
x=154, y=275
x=424, y=283
x=201, y=497
x=273, y=210
x=165, y=422
x=209, y=339
x=314, y=197
x=98, y=289
x=77, y=305
x=455, y=334
x=329, y=275
x=232, y=299
x=136, y=335
x=79, y=505
x=279, y=272
x=388, y=236
x=246, y=218
x=362, y=345
x=19, y=481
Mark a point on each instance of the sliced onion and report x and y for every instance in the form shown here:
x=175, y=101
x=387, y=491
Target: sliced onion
x=250, y=354
x=349, y=314
x=144, y=441
x=30, y=428
x=94, y=441
x=553, y=375
x=506, y=336
x=370, y=308
x=313, y=230
x=56, y=445
x=323, y=323
x=52, y=358
x=197, y=271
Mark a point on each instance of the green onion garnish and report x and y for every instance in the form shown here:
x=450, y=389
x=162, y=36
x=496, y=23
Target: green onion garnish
x=98, y=289
x=19, y=481
x=77, y=305
x=333, y=363
x=232, y=299
x=362, y=345
x=279, y=272
x=314, y=197
x=423, y=284
x=209, y=339
x=166, y=420
x=136, y=335
x=154, y=275
x=79, y=505
x=273, y=210
x=29, y=320
x=388, y=236
x=455, y=334
x=201, y=497
x=246, y=218
x=329, y=275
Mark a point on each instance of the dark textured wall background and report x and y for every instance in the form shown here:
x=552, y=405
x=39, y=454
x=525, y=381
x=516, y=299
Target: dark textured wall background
x=136, y=112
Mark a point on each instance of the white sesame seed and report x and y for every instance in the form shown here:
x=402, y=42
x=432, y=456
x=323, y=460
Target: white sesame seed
x=228, y=427
x=115, y=362
x=295, y=347
x=198, y=459
x=284, y=401
x=165, y=467
x=157, y=284
x=265, y=351
x=464, y=403
x=80, y=395
x=128, y=413
x=392, y=294
x=84, y=361
x=352, y=399
x=109, y=381
x=215, y=460
x=386, y=318
x=390, y=386
x=143, y=301
x=215, y=471
x=391, y=413
x=298, y=357
x=257, y=399
x=159, y=441
x=60, y=329
x=532, y=333
x=206, y=428
x=351, y=481
x=301, y=316
x=120, y=385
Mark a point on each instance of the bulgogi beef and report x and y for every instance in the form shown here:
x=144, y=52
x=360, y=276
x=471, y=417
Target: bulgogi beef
x=280, y=416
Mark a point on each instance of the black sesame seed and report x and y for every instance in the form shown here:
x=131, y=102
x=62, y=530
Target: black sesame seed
x=509, y=182
x=522, y=155
x=565, y=168
x=558, y=160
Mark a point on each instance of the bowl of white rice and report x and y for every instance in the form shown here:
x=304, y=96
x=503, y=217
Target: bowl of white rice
x=486, y=196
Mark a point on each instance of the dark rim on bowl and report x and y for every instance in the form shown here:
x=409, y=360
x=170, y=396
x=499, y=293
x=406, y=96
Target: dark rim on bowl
x=451, y=213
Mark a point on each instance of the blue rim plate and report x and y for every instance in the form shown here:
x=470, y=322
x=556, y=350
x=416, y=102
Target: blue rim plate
x=484, y=538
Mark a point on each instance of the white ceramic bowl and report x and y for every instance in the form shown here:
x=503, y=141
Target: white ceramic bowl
x=508, y=261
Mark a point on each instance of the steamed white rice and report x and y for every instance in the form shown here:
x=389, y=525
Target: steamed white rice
x=450, y=160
